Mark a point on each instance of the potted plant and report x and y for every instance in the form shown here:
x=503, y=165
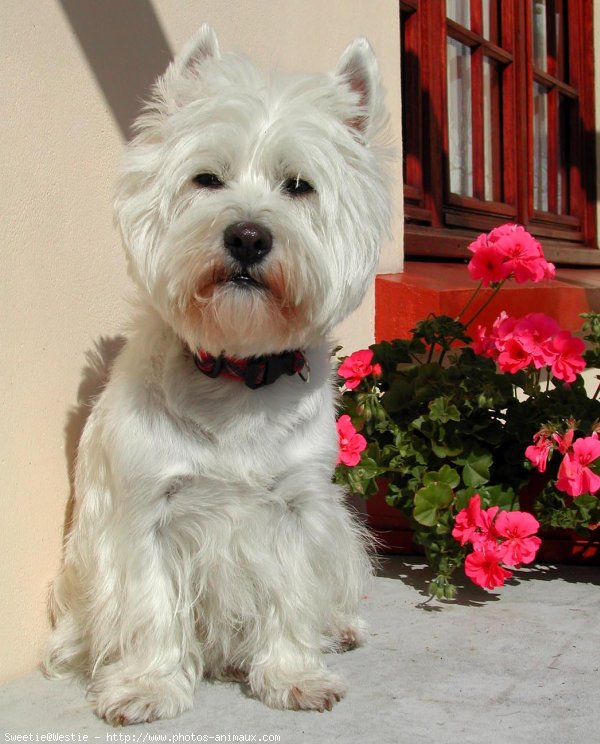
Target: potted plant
x=458, y=419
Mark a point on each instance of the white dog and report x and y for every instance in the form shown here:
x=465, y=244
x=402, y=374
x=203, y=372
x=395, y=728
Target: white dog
x=208, y=537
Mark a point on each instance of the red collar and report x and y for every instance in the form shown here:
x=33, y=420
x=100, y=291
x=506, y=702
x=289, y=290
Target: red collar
x=254, y=372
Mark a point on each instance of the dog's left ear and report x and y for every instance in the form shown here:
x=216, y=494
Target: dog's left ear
x=358, y=68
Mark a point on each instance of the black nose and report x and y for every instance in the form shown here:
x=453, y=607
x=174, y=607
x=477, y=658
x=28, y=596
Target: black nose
x=247, y=242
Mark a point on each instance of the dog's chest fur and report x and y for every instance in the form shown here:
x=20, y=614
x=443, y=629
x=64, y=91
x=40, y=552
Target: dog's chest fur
x=192, y=425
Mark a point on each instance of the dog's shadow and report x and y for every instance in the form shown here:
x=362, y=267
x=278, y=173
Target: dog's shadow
x=99, y=361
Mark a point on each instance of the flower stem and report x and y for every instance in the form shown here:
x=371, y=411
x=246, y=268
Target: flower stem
x=470, y=300
x=423, y=605
x=431, y=350
x=595, y=395
x=497, y=288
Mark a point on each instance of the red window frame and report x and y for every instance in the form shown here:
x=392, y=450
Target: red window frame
x=438, y=222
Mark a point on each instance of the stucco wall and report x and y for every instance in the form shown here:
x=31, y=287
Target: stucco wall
x=71, y=72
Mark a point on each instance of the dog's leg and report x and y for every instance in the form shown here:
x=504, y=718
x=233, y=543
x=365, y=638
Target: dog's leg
x=323, y=566
x=285, y=674
x=122, y=628
x=124, y=601
x=129, y=691
x=154, y=662
x=351, y=573
x=67, y=650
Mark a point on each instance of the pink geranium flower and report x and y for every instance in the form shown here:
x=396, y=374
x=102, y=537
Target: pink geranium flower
x=519, y=544
x=525, y=341
x=490, y=345
x=350, y=442
x=488, y=263
x=564, y=442
x=568, y=361
x=544, y=443
x=484, y=344
x=508, y=250
x=538, y=453
x=356, y=367
x=484, y=569
x=474, y=524
x=533, y=340
x=535, y=331
x=503, y=328
x=467, y=521
x=574, y=475
x=497, y=537
x=514, y=356
x=523, y=255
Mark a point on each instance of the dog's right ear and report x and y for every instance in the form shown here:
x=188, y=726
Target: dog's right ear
x=202, y=46
x=172, y=90
x=176, y=86
x=358, y=70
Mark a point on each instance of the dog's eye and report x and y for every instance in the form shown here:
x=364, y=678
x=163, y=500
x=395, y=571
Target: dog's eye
x=208, y=181
x=297, y=187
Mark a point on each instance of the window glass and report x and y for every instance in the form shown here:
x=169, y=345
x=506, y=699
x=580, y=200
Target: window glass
x=460, y=127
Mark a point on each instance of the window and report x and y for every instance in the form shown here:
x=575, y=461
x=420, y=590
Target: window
x=498, y=122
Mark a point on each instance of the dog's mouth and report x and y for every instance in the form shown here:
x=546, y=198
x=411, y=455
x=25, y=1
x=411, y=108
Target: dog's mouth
x=238, y=279
x=245, y=281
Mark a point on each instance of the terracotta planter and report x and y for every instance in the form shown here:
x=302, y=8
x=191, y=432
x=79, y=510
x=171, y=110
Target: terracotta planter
x=391, y=528
x=558, y=545
x=394, y=533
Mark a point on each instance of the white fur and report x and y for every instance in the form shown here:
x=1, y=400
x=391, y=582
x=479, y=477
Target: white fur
x=208, y=538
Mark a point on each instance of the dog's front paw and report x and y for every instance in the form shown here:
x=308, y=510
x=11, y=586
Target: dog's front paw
x=352, y=637
x=144, y=699
x=319, y=694
x=318, y=690
x=345, y=635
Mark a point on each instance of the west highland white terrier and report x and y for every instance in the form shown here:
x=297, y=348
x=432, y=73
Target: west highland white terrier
x=208, y=538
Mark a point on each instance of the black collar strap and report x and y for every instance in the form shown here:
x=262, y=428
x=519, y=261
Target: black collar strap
x=254, y=372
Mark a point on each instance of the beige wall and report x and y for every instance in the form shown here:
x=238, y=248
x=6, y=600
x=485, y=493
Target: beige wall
x=63, y=279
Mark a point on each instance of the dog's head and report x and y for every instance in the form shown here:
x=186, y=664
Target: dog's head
x=251, y=209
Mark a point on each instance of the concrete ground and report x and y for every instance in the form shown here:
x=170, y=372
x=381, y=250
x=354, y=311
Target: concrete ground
x=520, y=664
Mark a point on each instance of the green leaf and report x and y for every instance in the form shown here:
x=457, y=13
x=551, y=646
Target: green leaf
x=477, y=469
x=441, y=330
x=429, y=500
x=445, y=474
x=360, y=479
x=373, y=453
x=392, y=353
x=451, y=447
x=418, y=422
x=586, y=501
x=404, y=443
x=400, y=498
x=443, y=411
x=367, y=468
x=585, y=504
x=462, y=498
x=398, y=397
